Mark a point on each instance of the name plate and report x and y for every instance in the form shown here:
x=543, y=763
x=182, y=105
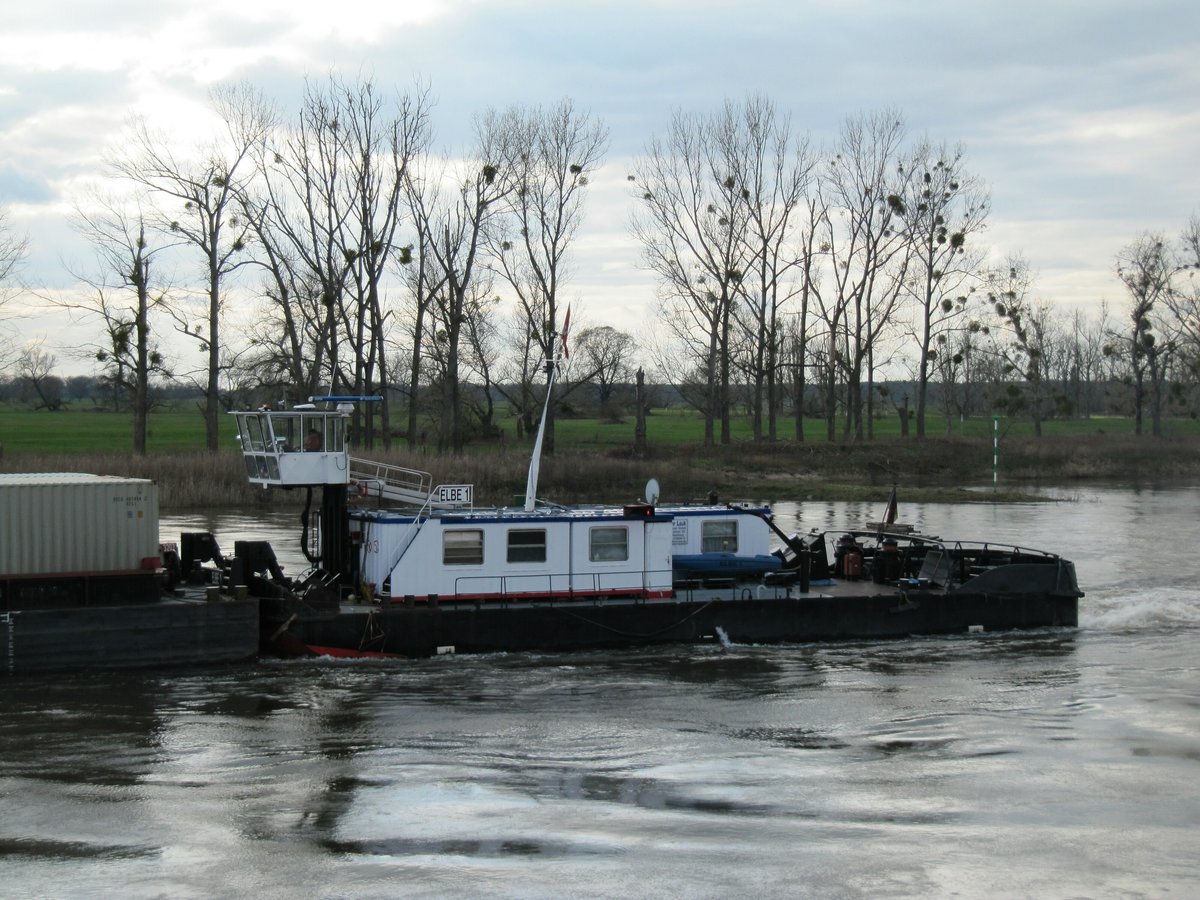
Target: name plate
x=455, y=493
x=679, y=531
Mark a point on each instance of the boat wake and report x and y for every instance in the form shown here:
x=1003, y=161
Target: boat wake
x=1148, y=608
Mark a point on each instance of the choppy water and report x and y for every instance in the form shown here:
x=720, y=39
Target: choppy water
x=1050, y=764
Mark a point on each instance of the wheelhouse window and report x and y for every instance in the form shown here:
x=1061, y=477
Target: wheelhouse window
x=462, y=547
x=284, y=431
x=252, y=436
x=527, y=545
x=608, y=544
x=719, y=537
x=322, y=433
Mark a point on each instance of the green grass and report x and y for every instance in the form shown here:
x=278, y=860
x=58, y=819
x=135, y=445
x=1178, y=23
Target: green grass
x=676, y=427
x=87, y=431
x=593, y=462
x=181, y=428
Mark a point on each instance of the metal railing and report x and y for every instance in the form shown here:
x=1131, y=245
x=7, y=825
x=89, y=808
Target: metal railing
x=559, y=585
x=394, y=483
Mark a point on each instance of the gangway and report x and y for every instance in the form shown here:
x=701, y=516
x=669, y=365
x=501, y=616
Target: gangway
x=394, y=484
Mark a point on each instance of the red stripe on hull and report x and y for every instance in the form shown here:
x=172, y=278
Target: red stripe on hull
x=345, y=653
x=577, y=597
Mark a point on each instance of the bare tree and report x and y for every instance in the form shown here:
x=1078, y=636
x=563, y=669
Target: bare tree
x=775, y=170
x=1027, y=325
x=13, y=248
x=942, y=208
x=868, y=255
x=522, y=367
x=329, y=216
x=122, y=296
x=35, y=369
x=300, y=217
x=479, y=362
x=1147, y=268
x=454, y=212
x=955, y=365
x=1184, y=299
x=797, y=333
x=607, y=358
x=288, y=338
x=691, y=223
x=1089, y=336
x=555, y=152
x=423, y=281
x=200, y=207
x=380, y=145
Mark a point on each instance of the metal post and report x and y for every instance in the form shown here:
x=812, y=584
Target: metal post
x=995, y=452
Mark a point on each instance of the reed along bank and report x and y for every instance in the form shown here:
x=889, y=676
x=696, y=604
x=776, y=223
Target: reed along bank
x=935, y=469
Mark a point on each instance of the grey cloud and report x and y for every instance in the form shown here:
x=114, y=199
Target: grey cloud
x=23, y=187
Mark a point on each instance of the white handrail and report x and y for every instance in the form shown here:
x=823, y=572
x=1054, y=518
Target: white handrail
x=395, y=482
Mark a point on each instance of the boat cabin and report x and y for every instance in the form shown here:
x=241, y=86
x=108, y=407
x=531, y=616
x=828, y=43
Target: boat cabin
x=720, y=529
x=294, y=448
x=509, y=553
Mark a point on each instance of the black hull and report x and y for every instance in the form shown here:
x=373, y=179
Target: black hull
x=739, y=617
x=163, y=634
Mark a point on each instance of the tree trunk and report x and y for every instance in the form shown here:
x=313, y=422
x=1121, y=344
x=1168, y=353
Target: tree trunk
x=141, y=376
x=798, y=392
x=639, y=431
x=212, y=394
x=414, y=376
x=1156, y=395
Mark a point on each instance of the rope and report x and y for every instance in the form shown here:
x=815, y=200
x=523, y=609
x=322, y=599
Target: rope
x=632, y=634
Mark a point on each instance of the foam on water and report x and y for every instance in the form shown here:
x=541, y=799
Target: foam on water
x=1150, y=608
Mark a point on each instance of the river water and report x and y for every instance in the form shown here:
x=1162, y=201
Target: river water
x=1061, y=763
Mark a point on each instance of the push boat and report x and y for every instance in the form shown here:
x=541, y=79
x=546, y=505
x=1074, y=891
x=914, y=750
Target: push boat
x=403, y=567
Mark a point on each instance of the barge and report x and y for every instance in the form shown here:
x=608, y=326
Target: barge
x=83, y=583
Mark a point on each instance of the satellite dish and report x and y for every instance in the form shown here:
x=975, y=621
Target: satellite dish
x=652, y=491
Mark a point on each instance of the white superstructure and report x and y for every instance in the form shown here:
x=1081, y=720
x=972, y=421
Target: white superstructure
x=423, y=541
x=511, y=553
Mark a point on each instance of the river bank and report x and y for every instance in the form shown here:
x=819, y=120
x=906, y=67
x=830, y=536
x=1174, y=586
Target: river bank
x=938, y=469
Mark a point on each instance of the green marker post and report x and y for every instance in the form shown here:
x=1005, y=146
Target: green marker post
x=995, y=453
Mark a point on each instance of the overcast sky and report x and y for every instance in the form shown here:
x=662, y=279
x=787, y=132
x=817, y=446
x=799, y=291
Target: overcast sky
x=1082, y=117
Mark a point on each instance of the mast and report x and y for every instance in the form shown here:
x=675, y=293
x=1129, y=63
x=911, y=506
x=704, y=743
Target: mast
x=531, y=481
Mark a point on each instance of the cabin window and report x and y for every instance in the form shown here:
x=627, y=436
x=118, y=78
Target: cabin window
x=527, y=545
x=462, y=547
x=252, y=434
x=608, y=544
x=719, y=537
x=320, y=433
x=285, y=430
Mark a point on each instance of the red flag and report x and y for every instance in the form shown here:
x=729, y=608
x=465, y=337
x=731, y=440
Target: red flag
x=566, y=329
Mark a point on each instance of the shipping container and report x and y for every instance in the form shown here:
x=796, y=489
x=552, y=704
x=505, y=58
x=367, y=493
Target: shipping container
x=68, y=522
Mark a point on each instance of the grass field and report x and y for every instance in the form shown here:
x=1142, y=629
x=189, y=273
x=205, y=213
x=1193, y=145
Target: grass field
x=675, y=427
x=593, y=461
x=91, y=431
x=181, y=428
